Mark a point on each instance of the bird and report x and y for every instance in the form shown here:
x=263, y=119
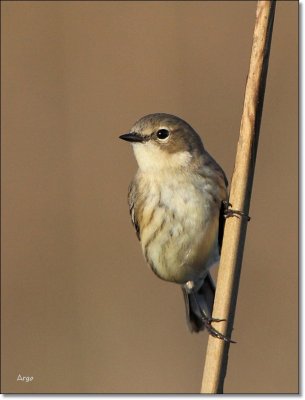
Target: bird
x=178, y=203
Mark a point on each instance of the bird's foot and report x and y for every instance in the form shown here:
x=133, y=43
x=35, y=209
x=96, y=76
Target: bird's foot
x=212, y=331
x=207, y=322
x=229, y=212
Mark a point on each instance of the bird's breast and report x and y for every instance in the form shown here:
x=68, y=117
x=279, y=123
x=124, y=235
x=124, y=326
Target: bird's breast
x=179, y=225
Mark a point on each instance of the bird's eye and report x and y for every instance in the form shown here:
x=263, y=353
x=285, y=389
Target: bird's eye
x=162, y=134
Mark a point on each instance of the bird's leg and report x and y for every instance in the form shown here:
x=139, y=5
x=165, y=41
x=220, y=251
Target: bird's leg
x=208, y=323
x=229, y=212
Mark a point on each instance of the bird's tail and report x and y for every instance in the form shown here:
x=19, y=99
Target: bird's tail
x=203, y=298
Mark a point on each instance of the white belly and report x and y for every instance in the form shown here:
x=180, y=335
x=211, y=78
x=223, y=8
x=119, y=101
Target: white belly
x=180, y=241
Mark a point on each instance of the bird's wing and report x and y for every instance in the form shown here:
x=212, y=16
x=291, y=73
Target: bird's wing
x=132, y=195
x=221, y=226
x=215, y=172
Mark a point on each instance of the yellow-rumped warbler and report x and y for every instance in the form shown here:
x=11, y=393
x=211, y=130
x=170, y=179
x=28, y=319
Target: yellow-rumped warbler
x=176, y=201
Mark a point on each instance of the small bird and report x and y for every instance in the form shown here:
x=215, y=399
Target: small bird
x=178, y=202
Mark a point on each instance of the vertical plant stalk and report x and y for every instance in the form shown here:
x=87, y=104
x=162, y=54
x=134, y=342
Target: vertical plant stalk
x=241, y=186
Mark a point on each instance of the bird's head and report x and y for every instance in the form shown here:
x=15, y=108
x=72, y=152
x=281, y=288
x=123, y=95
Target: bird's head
x=163, y=141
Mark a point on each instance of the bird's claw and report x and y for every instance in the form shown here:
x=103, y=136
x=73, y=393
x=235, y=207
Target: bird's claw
x=207, y=321
x=229, y=212
x=213, y=332
x=215, y=320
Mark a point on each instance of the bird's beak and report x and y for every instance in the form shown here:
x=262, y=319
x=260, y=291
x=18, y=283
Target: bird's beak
x=132, y=137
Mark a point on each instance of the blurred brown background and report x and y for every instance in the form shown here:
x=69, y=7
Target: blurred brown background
x=81, y=312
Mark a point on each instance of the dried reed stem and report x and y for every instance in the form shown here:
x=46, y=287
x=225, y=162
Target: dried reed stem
x=240, y=194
